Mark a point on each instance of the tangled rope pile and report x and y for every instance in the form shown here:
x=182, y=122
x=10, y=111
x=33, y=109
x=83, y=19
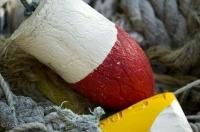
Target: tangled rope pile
x=23, y=114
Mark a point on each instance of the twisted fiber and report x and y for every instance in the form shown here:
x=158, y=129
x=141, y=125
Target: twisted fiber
x=105, y=7
x=161, y=22
x=9, y=95
x=194, y=119
x=183, y=59
x=64, y=117
x=179, y=34
x=132, y=9
x=187, y=87
x=31, y=126
x=154, y=28
x=195, y=127
x=174, y=21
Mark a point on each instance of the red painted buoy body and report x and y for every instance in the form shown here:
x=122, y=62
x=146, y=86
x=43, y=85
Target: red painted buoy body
x=88, y=51
x=124, y=78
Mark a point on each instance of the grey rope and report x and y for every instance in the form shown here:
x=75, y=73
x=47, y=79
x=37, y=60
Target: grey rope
x=160, y=21
x=193, y=119
x=8, y=94
x=57, y=118
x=195, y=127
x=187, y=87
x=194, y=122
x=30, y=126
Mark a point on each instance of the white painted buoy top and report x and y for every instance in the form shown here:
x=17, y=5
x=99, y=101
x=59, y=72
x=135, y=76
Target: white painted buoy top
x=68, y=36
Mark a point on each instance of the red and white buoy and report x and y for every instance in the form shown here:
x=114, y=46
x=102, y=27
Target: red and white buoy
x=97, y=57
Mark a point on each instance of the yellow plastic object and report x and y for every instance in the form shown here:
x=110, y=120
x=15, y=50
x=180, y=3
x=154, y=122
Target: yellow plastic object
x=139, y=117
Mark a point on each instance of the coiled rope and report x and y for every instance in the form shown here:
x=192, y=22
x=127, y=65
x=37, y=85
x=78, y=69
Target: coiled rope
x=160, y=22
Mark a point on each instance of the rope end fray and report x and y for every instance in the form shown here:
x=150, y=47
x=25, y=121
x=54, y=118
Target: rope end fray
x=67, y=119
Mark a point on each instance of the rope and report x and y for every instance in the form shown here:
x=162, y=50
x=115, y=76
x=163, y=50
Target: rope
x=30, y=8
x=57, y=119
x=9, y=95
x=194, y=122
x=160, y=21
x=69, y=116
x=193, y=119
x=30, y=126
x=187, y=87
x=195, y=127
